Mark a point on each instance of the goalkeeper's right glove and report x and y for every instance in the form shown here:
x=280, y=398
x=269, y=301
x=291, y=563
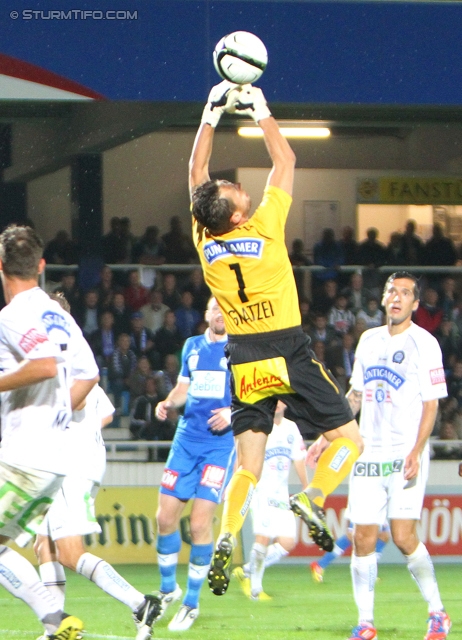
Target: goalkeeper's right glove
x=252, y=102
x=221, y=97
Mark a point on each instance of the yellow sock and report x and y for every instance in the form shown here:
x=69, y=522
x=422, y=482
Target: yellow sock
x=333, y=466
x=237, y=501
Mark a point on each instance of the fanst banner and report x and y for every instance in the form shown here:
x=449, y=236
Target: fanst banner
x=127, y=517
x=410, y=190
x=440, y=528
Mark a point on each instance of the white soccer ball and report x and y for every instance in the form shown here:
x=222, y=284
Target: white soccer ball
x=240, y=57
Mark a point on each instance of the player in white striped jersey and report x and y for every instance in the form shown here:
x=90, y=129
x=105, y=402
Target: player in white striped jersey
x=397, y=380
x=273, y=522
x=37, y=401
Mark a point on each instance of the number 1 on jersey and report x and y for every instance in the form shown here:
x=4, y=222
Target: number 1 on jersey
x=236, y=267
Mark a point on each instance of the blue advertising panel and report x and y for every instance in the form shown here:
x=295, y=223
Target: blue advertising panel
x=319, y=52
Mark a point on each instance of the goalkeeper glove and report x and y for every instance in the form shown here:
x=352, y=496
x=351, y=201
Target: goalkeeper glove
x=221, y=97
x=252, y=103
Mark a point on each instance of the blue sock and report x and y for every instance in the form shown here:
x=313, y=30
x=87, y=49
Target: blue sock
x=168, y=548
x=341, y=545
x=199, y=563
x=380, y=546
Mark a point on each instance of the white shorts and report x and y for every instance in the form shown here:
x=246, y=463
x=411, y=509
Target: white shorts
x=73, y=510
x=25, y=497
x=379, y=491
x=272, y=518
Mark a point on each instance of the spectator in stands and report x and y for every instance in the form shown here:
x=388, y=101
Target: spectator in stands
x=68, y=287
x=306, y=315
x=143, y=422
x=167, y=377
x=112, y=244
x=429, y=314
x=394, y=253
x=197, y=287
x=359, y=328
x=327, y=253
x=122, y=363
x=168, y=339
x=135, y=294
x=341, y=318
x=449, y=341
x=439, y=250
x=88, y=315
x=154, y=311
x=449, y=299
x=372, y=254
x=142, y=341
x=61, y=250
x=350, y=249
x=137, y=379
x=179, y=247
x=149, y=249
x=321, y=330
x=356, y=294
x=105, y=287
x=449, y=431
x=187, y=318
x=340, y=359
x=349, y=246
x=170, y=291
x=372, y=315
x=127, y=239
x=325, y=298
x=103, y=340
x=411, y=245
x=298, y=258
x=121, y=313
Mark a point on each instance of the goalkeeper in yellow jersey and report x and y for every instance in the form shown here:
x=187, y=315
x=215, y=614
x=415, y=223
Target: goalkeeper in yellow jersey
x=246, y=266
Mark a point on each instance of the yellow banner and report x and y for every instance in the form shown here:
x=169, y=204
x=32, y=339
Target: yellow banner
x=402, y=190
x=127, y=516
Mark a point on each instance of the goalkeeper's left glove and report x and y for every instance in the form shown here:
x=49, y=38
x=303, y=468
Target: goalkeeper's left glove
x=221, y=97
x=251, y=102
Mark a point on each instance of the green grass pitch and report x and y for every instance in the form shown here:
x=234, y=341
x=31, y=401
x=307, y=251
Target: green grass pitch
x=300, y=609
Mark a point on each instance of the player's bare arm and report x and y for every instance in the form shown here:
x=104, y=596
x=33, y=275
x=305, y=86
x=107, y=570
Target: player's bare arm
x=354, y=400
x=221, y=419
x=220, y=98
x=300, y=468
x=175, y=399
x=281, y=154
x=29, y=372
x=315, y=450
x=427, y=422
x=80, y=389
x=200, y=157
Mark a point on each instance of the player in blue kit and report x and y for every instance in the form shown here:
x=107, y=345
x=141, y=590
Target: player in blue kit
x=199, y=465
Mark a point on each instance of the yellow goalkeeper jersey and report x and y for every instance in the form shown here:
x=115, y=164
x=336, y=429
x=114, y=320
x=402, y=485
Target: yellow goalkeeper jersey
x=248, y=269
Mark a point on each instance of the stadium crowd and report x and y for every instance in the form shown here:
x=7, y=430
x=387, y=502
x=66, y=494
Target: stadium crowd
x=137, y=324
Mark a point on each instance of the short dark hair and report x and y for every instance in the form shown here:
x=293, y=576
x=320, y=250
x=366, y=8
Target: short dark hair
x=58, y=297
x=210, y=209
x=397, y=275
x=21, y=249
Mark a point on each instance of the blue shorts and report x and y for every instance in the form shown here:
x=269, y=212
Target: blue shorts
x=197, y=470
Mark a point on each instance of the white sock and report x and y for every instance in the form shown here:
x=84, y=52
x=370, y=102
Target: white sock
x=421, y=568
x=20, y=578
x=54, y=578
x=274, y=554
x=106, y=577
x=364, y=575
x=257, y=567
